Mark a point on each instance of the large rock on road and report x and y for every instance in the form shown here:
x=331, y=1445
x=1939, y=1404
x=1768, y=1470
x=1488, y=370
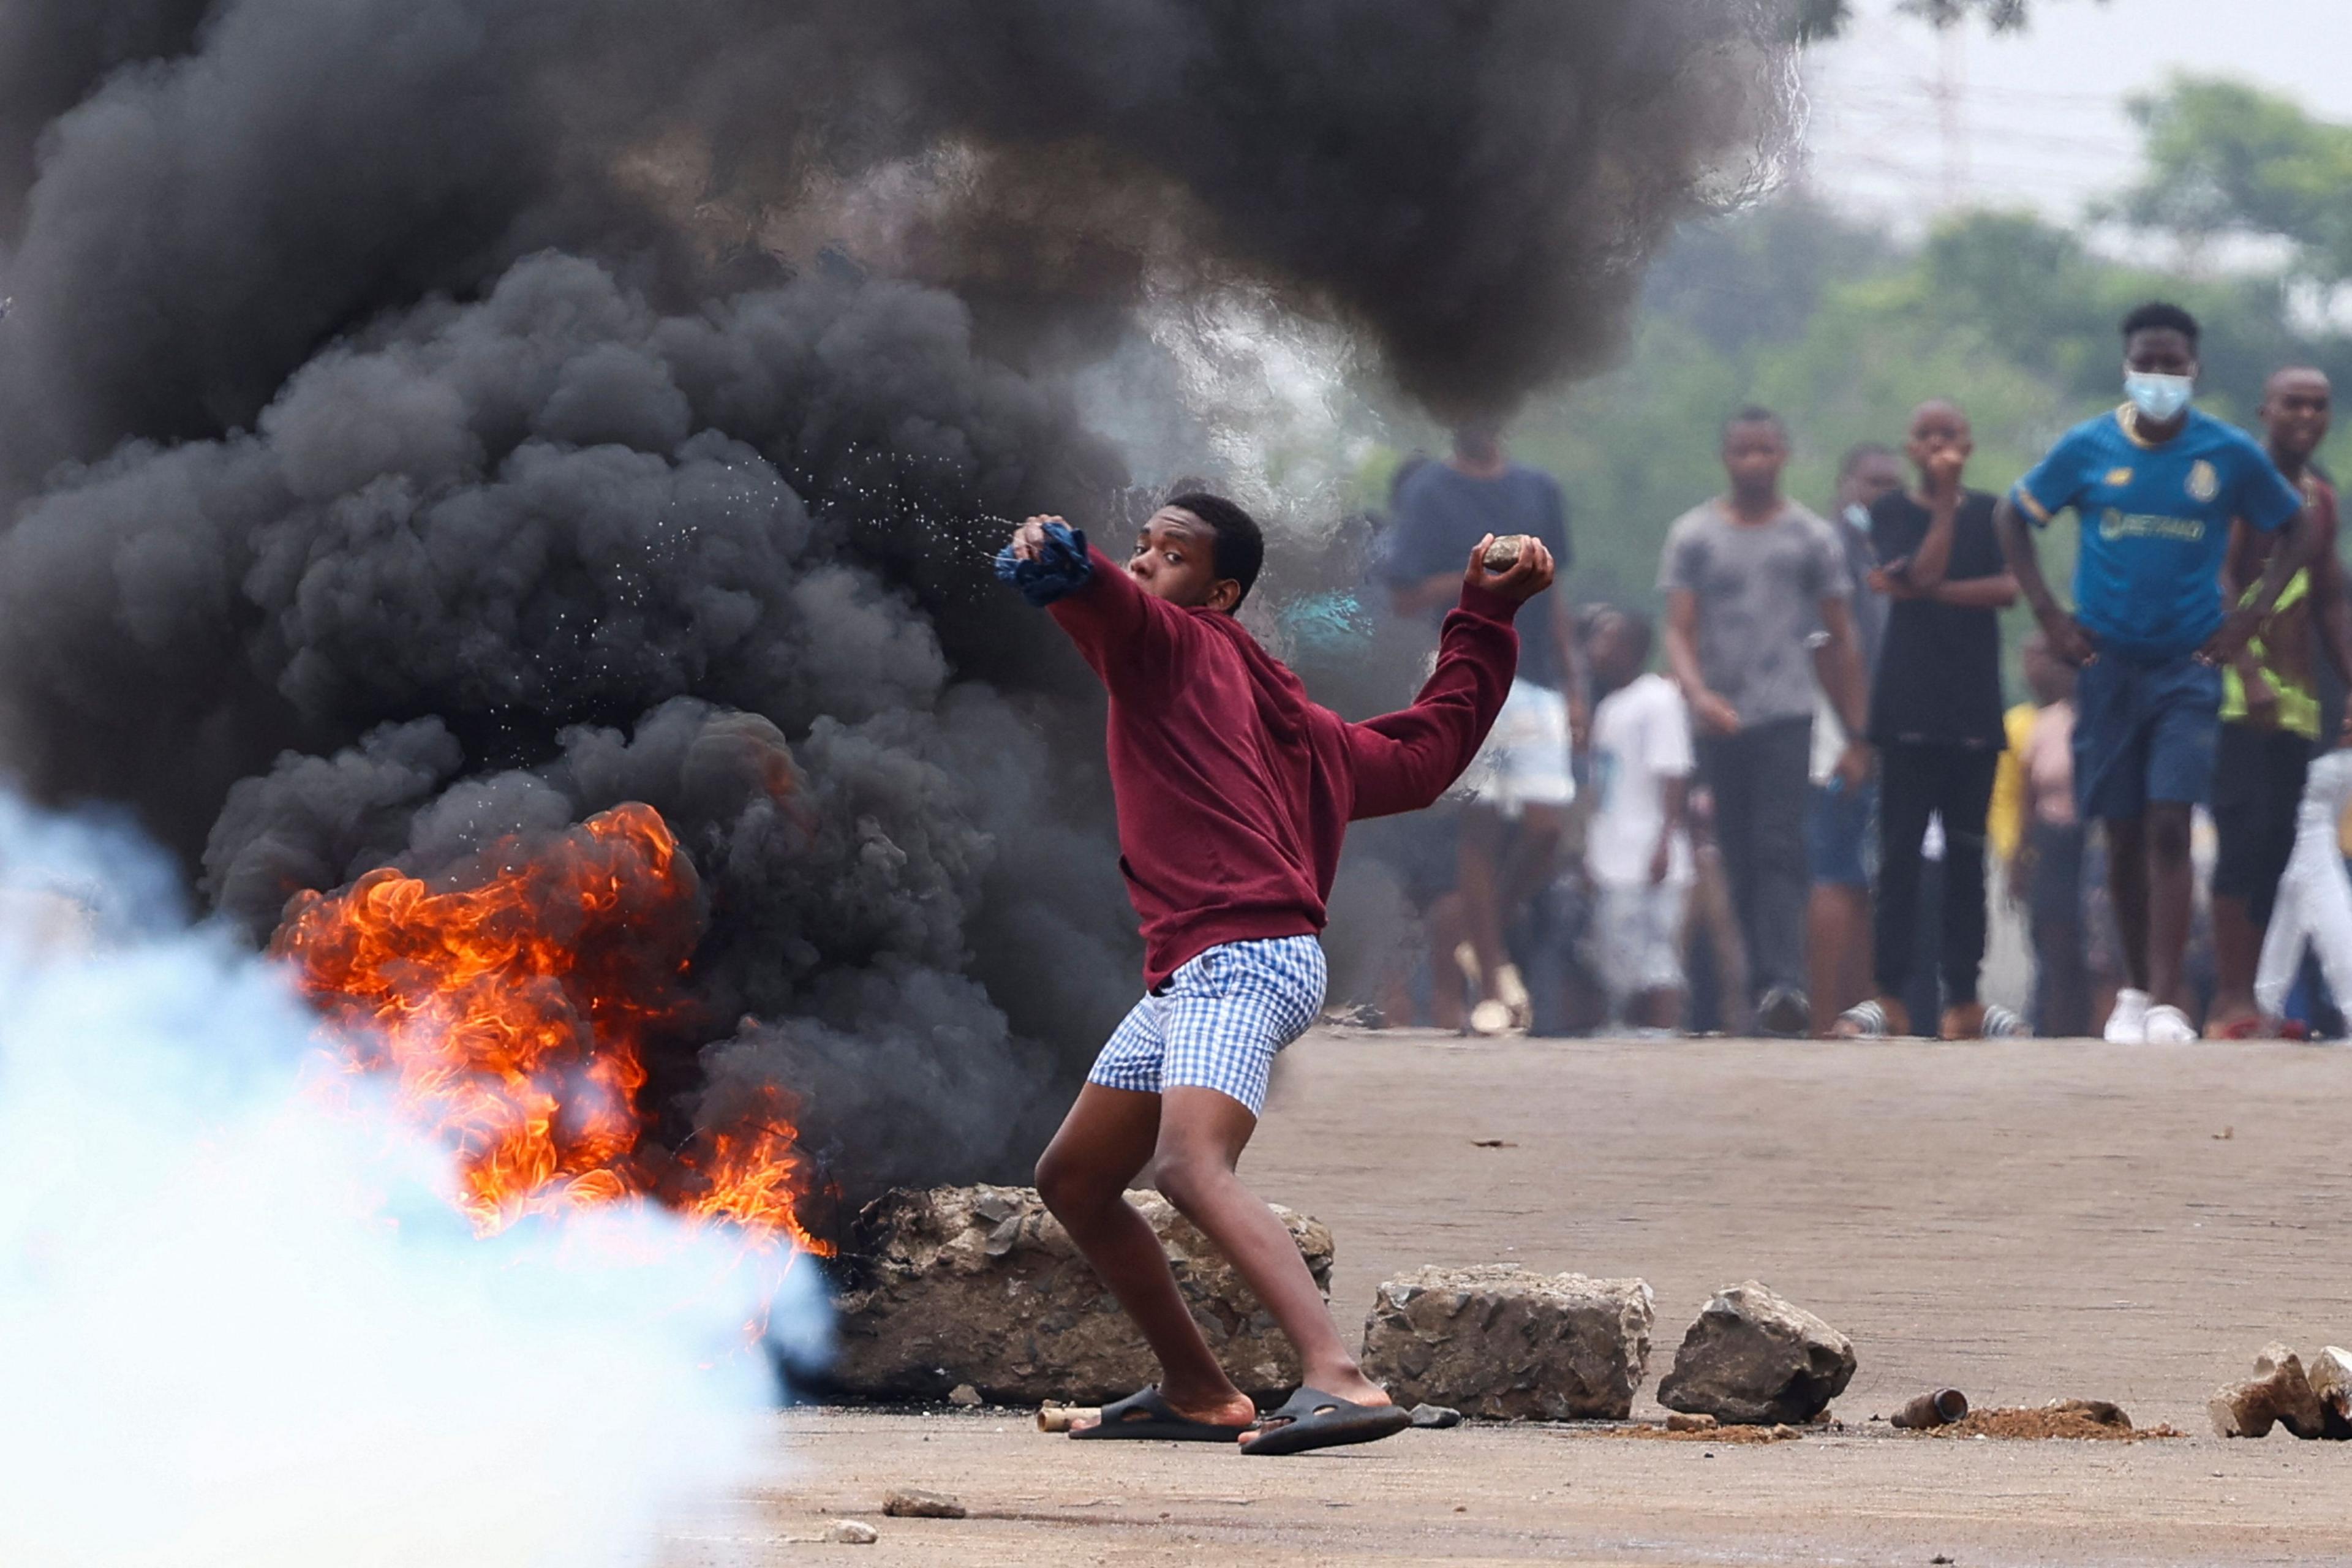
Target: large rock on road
x=982, y=1286
x=1755, y=1360
x=1503, y=1343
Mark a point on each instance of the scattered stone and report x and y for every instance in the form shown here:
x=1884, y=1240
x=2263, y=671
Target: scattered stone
x=850, y=1533
x=980, y=1286
x=2330, y=1374
x=2278, y=1393
x=1752, y=1359
x=2105, y=1412
x=1500, y=1343
x=964, y=1395
x=908, y=1503
x=1435, y=1417
x=1781, y=1433
x=1679, y=1422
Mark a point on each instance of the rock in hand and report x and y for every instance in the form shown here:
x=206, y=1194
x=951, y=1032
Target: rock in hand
x=1503, y=553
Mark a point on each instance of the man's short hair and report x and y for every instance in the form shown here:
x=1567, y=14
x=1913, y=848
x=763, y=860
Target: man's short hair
x=2161, y=316
x=1860, y=453
x=1239, y=549
x=1755, y=414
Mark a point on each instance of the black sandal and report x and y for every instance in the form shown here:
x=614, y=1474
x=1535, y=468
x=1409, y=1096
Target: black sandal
x=1145, y=1417
x=1311, y=1419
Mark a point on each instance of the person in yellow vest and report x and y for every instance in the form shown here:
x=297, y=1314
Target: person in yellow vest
x=2270, y=704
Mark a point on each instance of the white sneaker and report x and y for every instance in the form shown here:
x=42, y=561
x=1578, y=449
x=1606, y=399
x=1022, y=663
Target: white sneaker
x=1491, y=1018
x=2169, y=1026
x=2128, y=1025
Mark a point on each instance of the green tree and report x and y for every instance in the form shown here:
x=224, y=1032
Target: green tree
x=2224, y=158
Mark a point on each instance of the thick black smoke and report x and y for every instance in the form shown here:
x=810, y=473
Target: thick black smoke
x=423, y=420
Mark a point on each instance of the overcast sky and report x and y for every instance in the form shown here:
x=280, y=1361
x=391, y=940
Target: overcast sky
x=2038, y=115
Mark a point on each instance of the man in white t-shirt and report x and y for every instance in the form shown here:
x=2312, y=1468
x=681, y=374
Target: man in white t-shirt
x=1637, y=846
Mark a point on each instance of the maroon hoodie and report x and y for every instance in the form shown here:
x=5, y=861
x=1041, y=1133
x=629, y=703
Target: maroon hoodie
x=1233, y=790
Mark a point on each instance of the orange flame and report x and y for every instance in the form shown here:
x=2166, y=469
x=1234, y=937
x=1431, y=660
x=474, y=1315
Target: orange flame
x=512, y=1016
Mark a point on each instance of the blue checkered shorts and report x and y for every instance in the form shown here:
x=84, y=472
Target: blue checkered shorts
x=1217, y=1022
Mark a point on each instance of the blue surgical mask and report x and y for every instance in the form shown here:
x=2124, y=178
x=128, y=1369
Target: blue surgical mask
x=2159, y=398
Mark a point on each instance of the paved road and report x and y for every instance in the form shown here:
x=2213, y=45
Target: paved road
x=2026, y=1220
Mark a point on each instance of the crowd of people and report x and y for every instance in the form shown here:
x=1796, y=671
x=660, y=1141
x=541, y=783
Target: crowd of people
x=1821, y=758
x=1794, y=805
x=1824, y=758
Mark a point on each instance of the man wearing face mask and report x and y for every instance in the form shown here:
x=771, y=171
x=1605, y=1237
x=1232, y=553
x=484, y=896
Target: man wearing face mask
x=2154, y=486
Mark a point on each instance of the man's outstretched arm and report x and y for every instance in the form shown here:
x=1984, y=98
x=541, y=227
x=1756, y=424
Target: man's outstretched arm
x=1405, y=761
x=1089, y=595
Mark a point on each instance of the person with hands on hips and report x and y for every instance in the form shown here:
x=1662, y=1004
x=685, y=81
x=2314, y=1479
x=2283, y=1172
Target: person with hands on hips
x=2155, y=487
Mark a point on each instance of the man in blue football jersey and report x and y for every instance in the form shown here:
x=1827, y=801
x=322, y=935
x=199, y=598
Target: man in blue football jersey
x=2154, y=487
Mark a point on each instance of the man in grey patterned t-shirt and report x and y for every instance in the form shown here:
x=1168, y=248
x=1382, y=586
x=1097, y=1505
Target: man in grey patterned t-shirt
x=1747, y=577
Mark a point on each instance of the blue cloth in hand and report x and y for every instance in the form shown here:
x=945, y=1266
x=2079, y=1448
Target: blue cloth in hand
x=1062, y=567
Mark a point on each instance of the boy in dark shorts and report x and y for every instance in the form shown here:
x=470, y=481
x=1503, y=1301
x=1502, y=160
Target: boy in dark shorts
x=2155, y=485
x=1935, y=719
x=2270, y=703
x=1233, y=793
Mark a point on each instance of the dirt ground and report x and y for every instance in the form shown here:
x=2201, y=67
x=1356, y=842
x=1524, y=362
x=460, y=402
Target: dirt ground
x=2023, y=1220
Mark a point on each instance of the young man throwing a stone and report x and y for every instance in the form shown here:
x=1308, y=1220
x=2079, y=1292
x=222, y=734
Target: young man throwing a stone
x=2154, y=486
x=1234, y=792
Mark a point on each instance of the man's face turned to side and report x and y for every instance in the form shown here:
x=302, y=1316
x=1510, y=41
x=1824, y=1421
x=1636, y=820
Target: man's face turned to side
x=1175, y=559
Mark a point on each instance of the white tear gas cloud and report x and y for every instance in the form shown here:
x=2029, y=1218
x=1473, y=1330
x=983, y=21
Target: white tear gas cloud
x=427, y=419
x=246, y=1326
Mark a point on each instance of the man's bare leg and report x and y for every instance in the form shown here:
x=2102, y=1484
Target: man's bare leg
x=1837, y=922
x=1485, y=835
x=1534, y=855
x=1083, y=1174
x=2237, y=952
x=2171, y=895
x=1503, y=863
x=1202, y=1135
x=2127, y=853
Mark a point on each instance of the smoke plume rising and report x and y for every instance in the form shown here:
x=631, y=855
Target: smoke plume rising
x=429, y=420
